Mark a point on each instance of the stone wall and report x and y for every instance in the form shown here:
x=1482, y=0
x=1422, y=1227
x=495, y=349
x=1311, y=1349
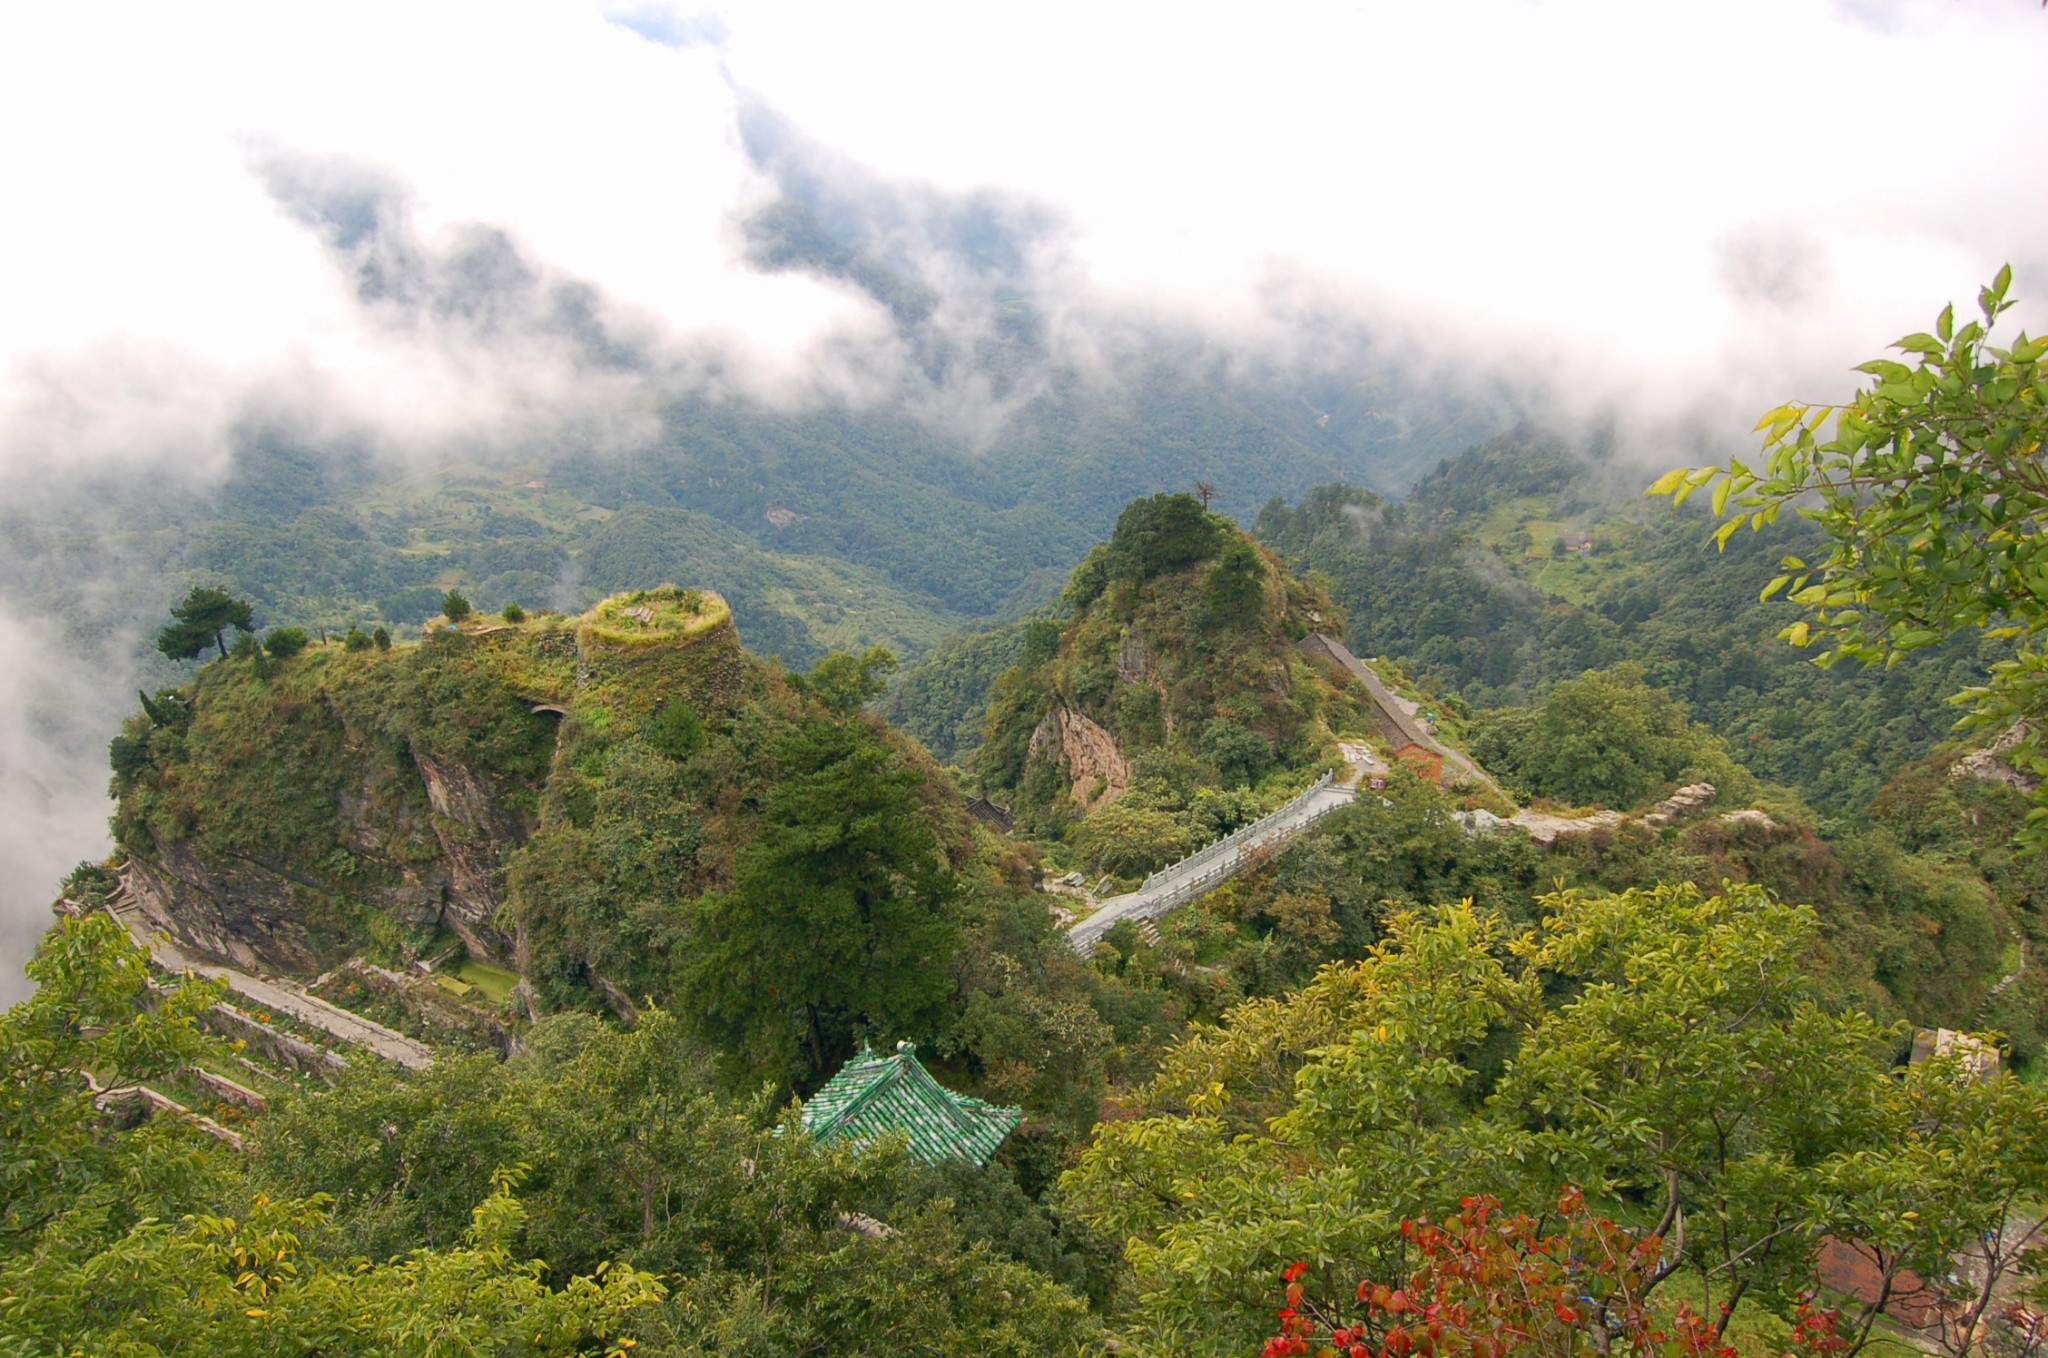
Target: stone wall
x=269, y=1043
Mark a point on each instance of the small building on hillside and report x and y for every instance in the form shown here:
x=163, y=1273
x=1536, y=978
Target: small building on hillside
x=873, y=1096
x=992, y=813
x=1408, y=740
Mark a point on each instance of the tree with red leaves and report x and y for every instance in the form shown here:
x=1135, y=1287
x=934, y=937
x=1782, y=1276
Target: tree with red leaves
x=1487, y=1284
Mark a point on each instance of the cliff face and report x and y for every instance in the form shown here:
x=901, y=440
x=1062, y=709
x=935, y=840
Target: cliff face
x=1087, y=753
x=287, y=815
x=239, y=912
x=477, y=827
x=387, y=840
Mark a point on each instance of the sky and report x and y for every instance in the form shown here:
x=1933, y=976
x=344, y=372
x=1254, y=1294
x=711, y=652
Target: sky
x=1647, y=203
x=1678, y=212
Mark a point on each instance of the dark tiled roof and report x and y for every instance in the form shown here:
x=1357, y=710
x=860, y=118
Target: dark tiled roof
x=872, y=1096
x=994, y=813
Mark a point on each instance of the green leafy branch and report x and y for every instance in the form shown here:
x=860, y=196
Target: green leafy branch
x=1930, y=487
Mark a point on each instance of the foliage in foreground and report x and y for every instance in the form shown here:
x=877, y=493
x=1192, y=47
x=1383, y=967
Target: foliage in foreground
x=1490, y=1285
x=635, y=1207
x=220, y=1285
x=1662, y=1047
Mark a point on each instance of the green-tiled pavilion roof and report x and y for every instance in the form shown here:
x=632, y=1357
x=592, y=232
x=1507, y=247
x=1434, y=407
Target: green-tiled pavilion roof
x=874, y=1095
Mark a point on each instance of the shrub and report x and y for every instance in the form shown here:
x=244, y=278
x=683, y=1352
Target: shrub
x=285, y=642
x=845, y=682
x=1160, y=534
x=1237, y=582
x=676, y=730
x=454, y=606
x=356, y=640
x=91, y=881
x=128, y=754
x=1130, y=841
x=513, y=613
x=1239, y=755
x=381, y=637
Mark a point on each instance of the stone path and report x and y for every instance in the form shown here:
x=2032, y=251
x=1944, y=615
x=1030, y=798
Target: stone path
x=1168, y=890
x=1458, y=767
x=281, y=997
x=2013, y=975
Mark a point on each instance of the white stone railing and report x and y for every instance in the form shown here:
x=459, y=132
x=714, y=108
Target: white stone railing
x=1172, y=887
x=1218, y=848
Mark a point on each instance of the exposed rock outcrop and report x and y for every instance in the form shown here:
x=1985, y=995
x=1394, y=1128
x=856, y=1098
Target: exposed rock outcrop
x=280, y=821
x=289, y=919
x=1546, y=829
x=242, y=912
x=1751, y=818
x=1134, y=662
x=1087, y=753
x=1682, y=805
x=476, y=829
x=1990, y=765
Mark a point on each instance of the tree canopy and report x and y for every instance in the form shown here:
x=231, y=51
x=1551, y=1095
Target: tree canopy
x=1662, y=1049
x=845, y=682
x=592, y=1195
x=840, y=921
x=1606, y=737
x=204, y=617
x=1930, y=488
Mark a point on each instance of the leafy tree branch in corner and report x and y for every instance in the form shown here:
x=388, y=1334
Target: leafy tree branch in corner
x=1930, y=487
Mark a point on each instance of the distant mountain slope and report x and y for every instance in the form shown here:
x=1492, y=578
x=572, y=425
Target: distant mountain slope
x=909, y=520
x=1521, y=563
x=1517, y=565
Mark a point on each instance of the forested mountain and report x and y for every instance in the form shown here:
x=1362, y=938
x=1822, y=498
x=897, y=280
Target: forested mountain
x=1175, y=674
x=688, y=681
x=1519, y=564
x=828, y=527
x=632, y=886
x=1597, y=651
x=623, y=808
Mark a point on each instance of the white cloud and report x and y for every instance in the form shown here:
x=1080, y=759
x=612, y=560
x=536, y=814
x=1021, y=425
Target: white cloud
x=1515, y=179
x=1551, y=187
x=147, y=267
x=55, y=720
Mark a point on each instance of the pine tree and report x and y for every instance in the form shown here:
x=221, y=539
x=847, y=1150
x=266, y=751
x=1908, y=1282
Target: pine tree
x=204, y=616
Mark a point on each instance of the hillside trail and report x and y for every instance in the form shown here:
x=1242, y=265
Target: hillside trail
x=1405, y=714
x=281, y=997
x=1210, y=867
